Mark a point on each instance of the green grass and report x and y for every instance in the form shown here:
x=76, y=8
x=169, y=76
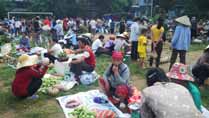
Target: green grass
x=197, y=47
x=46, y=106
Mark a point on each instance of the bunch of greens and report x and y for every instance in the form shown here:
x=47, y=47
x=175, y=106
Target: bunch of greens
x=62, y=55
x=48, y=82
x=4, y=39
x=82, y=112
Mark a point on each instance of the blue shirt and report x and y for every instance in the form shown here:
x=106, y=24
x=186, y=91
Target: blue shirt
x=182, y=38
x=25, y=43
x=74, y=40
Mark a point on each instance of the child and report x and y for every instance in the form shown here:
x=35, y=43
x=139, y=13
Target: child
x=142, y=42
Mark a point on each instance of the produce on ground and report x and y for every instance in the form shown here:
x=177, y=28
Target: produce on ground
x=82, y=112
x=53, y=91
x=49, y=82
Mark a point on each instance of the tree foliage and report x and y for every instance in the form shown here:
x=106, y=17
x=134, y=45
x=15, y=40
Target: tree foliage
x=167, y=4
x=3, y=10
x=78, y=7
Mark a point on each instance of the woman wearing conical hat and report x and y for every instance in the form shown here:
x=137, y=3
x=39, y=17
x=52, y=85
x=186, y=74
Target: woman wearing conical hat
x=181, y=40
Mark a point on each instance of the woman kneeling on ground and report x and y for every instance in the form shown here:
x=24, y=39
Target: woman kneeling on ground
x=115, y=81
x=116, y=74
x=28, y=76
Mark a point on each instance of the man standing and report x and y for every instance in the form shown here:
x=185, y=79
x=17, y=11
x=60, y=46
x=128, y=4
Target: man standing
x=136, y=28
x=122, y=26
x=59, y=29
x=181, y=40
x=37, y=31
x=93, y=24
x=194, y=28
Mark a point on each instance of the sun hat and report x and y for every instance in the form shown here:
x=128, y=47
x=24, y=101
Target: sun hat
x=184, y=20
x=117, y=55
x=121, y=36
x=26, y=60
x=126, y=34
x=180, y=72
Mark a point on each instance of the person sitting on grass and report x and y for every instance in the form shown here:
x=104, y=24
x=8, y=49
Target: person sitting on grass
x=201, y=68
x=116, y=74
x=54, y=51
x=109, y=45
x=98, y=48
x=86, y=62
x=142, y=42
x=165, y=99
x=28, y=76
x=120, y=43
x=24, y=43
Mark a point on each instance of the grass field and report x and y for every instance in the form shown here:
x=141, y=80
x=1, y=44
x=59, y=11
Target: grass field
x=46, y=106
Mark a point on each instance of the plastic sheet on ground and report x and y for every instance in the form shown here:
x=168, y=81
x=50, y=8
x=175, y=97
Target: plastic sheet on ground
x=86, y=98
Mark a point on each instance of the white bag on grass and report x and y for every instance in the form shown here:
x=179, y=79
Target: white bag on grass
x=88, y=78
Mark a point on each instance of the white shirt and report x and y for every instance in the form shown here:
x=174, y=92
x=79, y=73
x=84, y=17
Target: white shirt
x=18, y=24
x=96, y=44
x=134, y=32
x=59, y=29
x=93, y=24
x=56, y=50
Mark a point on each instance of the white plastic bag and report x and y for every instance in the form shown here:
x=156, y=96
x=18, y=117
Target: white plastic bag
x=88, y=78
x=6, y=49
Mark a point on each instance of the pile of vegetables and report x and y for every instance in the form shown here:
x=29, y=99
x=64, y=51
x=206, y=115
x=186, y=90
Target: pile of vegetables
x=4, y=39
x=82, y=112
x=48, y=82
x=51, y=71
x=63, y=57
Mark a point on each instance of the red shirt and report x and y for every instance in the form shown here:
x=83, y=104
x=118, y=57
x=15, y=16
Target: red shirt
x=23, y=78
x=65, y=24
x=91, y=60
x=47, y=22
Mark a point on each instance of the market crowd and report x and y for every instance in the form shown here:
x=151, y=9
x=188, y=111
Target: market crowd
x=168, y=95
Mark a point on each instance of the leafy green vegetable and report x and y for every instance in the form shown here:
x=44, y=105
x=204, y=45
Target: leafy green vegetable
x=48, y=82
x=82, y=112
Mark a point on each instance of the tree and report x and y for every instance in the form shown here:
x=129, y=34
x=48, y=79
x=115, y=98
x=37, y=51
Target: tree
x=197, y=8
x=3, y=10
x=79, y=7
x=166, y=4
